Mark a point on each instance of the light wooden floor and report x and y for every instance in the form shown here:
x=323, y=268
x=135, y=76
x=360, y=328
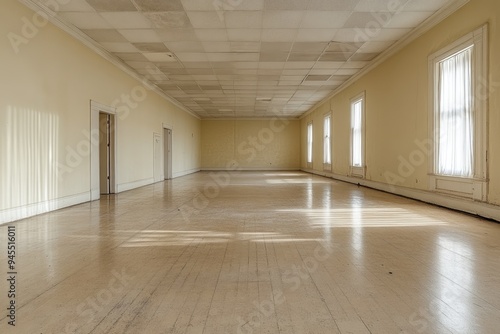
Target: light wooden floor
x=269, y=253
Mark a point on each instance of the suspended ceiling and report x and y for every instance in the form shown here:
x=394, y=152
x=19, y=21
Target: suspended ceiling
x=246, y=58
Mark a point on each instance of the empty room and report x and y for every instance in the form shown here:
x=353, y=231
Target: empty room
x=249, y=166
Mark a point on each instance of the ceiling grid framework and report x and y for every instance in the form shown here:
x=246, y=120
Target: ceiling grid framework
x=246, y=58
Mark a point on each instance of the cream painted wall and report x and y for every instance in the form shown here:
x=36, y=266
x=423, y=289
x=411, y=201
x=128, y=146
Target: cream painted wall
x=397, y=104
x=45, y=93
x=252, y=144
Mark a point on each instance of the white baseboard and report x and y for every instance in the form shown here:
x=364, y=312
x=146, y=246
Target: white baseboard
x=185, y=172
x=13, y=214
x=134, y=184
x=482, y=209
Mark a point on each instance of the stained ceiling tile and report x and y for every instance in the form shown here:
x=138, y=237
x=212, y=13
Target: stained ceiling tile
x=151, y=47
x=160, y=56
x=112, y=5
x=217, y=57
x=185, y=46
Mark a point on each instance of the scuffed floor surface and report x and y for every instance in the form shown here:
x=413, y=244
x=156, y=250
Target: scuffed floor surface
x=269, y=252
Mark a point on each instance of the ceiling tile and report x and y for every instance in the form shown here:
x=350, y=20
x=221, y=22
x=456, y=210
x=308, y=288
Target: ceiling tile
x=70, y=6
x=203, y=5
x=191, y=56
x=158, y=5
x=105, y=35
x=112, y=5
x=282, y=19
x=177, y=35
x=209, y=35
x=276, y=56
x=205, y=19
x=363, y=56
x=375, y=46
x=151, y=47
x=169, y=19
x=275, y=47
x=300, y=56
x=119, y=47
x=285, y=4
x=337, y=5
x=159, y=56
x=315, y=35
x=244, y=35
x=245, y=46
x=278, y=35
x=425, y=5
x=309, y=47
x=389, y=34
x=127, y=20
x=324, y=19
x=141, y=35
x=380, y=5
x=86, y=20
x=185, y=46
x=243, y=19
x=408, y=19
x=130, y=56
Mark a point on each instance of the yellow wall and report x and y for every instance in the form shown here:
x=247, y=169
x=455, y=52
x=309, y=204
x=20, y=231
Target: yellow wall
x=45, y=93
x=252, y=144
x=397, y=104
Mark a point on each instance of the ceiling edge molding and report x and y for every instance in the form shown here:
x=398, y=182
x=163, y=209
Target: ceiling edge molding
x=87, y=41
x=424, y=27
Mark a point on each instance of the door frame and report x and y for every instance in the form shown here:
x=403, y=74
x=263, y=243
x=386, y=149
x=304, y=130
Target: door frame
x=95, y=109
x=167, y=152
x=161, y=176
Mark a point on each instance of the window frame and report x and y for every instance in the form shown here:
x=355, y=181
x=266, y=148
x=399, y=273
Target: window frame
x=327, y=165
x=474, y=187
x=358, y=171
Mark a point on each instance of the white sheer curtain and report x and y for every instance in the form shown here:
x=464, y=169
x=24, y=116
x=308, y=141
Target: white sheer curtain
x=455, y=147
x=356, y=124
x=309, y=142
x=327, y=153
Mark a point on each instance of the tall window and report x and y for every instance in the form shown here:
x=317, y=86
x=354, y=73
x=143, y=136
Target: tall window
x=459, y=95
x=455, y=147
x=327, y=141
x=309, y=143
x=357, y=135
